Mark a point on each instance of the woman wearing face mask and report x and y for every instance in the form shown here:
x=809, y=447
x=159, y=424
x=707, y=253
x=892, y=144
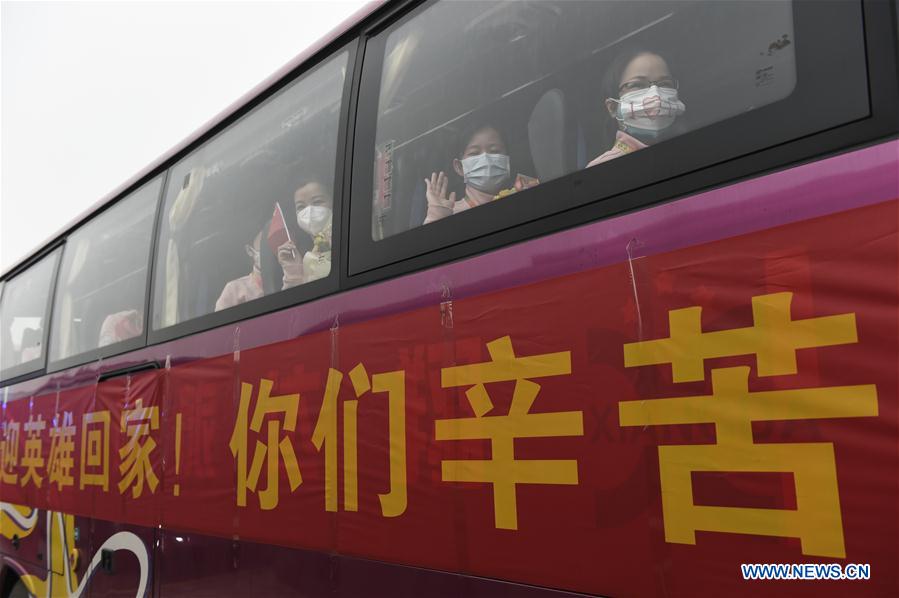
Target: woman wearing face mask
x=483, y=163
x=641, y=95
x=312, y=259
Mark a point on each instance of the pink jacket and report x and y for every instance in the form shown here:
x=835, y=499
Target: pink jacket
x=240, y=290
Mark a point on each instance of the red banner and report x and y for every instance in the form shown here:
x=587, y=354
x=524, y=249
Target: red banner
x=643, y=428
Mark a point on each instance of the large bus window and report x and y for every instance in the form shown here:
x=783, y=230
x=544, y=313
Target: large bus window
x=249, y=213
x=102, y=284
x=481, y=100
x=23, y=311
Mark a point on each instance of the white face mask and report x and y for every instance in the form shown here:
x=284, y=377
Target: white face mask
x=652, y=109
x=314, y=219
x=486, y=172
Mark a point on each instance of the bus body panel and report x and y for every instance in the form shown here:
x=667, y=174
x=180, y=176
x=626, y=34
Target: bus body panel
x=600, y=515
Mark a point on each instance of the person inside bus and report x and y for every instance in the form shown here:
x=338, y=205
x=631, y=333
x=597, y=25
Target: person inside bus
x=309, y=258
x=31, y=345
x=246, y=288
x=641, y=97
x=120, y=326
x=483, y=163
x=179, y=215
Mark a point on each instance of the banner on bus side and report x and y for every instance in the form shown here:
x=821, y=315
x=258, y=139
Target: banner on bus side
x=655, y=422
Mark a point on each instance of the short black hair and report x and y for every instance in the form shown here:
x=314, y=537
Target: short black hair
x=304, y=181
x=612, y=77
x=300, y=177
x=473, y=127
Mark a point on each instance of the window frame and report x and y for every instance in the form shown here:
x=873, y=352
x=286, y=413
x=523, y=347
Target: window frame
x=300, y=293
x=140, y=340
x=25, y=371
x=590, y=193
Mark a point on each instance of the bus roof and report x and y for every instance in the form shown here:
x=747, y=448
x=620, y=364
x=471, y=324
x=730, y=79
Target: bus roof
x=345, y=26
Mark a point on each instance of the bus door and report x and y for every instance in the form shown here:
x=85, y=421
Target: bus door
x=125, y=444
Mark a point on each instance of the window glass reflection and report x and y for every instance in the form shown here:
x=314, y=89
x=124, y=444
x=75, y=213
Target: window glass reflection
x=23, y=311
x=249, y=214
x=481, y=100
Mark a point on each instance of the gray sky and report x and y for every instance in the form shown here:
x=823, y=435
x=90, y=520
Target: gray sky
x=94, y=91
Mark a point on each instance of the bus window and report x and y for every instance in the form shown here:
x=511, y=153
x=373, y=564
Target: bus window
x=23, y=311
x=480, y=100
x=102, y=284
x=249, y=213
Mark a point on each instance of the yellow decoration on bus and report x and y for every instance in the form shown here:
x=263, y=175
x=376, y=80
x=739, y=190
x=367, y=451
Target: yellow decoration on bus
x=95, y=450
x=503, y=470
x=265, y=452
x=732, y=407
x=393, y=502
x=62, y=448
x=33, y=459
x=773, y=338
x=135, y=465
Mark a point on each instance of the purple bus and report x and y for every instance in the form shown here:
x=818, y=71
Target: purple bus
x=655, y=356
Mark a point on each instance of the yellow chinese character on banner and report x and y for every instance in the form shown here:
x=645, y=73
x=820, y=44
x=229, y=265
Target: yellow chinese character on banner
x=732, y=407
x=32, y=459
x=503, y=470
x=265, y=452
x=62, y=446
x=95, y=450
x=393, y=503
x=135, y=466
x=10, y=446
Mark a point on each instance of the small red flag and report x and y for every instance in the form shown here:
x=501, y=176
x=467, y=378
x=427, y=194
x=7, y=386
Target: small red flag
x=278, y=234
